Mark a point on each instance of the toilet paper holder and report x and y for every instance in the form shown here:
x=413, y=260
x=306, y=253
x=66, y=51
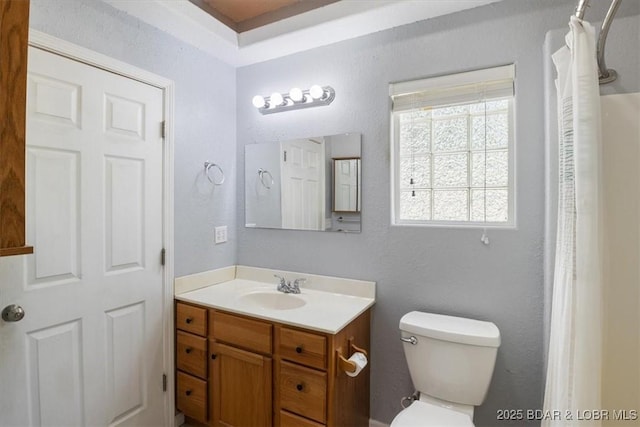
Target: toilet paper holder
x=345, y=364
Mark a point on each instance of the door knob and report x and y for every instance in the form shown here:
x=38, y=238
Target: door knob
x=12, y=313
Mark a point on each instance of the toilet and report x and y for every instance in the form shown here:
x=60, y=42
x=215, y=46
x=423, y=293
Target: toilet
x=451, y=361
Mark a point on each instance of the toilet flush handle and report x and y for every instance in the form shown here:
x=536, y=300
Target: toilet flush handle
x=411, y=340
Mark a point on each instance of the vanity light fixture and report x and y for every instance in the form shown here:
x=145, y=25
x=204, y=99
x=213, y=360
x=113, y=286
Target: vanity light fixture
x=296, y=98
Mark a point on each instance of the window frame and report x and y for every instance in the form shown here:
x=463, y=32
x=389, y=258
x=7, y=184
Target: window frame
x=396, y=190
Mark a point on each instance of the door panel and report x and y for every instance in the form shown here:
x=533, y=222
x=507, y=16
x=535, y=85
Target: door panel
x=53, y=208
x=238, y=377
x=303, y=204
x=56, y=387
x=125, y=374
x=93, y=289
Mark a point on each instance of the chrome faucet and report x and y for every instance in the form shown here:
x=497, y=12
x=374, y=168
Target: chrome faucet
x=287, y=287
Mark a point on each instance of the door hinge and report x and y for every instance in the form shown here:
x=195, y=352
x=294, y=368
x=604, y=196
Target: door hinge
x=163, y=255
x=164, y=382
x=163, y=129
x=285, y=155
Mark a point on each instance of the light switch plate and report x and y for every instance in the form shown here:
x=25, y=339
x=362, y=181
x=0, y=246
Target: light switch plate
x=221, y=234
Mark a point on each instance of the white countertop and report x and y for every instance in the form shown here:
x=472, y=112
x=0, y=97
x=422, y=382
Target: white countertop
x=322, y=311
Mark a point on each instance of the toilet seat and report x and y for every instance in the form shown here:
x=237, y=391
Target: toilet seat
x=422, y=414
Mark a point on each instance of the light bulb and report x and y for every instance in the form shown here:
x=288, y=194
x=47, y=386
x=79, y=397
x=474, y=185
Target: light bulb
x=258, y=101
x=276, y=99
x=296, y=94
x=316, y=92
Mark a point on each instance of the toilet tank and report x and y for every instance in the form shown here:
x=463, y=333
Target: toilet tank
x=453, y=357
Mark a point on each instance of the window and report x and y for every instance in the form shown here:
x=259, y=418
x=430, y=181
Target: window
x=453, y=149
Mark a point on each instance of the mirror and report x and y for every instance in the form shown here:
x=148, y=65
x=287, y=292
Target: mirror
x=304, y=184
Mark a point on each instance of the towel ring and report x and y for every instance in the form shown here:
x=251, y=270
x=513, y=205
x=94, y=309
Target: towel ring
x=207, y=167
x=261, y=174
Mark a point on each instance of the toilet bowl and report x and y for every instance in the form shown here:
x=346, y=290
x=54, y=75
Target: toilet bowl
x=451, y=362
x=428, y=414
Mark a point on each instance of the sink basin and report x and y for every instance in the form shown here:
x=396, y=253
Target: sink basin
x=273, y=300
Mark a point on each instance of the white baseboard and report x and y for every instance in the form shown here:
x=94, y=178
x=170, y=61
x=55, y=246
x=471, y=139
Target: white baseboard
x=179, y=419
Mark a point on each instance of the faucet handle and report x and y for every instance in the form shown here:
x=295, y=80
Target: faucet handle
x=282, y=281
x=299, y=281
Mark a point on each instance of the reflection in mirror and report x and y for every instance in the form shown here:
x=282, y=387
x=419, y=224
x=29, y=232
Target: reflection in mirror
x=293, y=185
x=346, y=185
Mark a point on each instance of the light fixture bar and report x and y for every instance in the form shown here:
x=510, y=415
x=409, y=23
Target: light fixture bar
x=296, y=99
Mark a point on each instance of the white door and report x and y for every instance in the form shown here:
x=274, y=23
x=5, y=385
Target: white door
x=346, y=185
x=89, y=349
x=302, y=166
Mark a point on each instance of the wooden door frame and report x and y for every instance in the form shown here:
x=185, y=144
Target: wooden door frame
x=72, y=51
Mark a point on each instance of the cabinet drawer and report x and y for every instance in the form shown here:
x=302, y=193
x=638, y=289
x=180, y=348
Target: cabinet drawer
x=288, y=419
x=249, y=334
x=303, y=347
x=191, y=319
x=303, y=391
x=191, y=354
x=191, y=397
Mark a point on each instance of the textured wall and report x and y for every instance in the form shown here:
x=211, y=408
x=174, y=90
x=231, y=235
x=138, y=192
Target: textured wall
x=204, y=116
x=442, y=270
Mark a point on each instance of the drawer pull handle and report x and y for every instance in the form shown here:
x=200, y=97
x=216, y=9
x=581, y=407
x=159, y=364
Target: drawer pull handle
x=188, y=320
x=299, y=349
x=299, y=387
x=188, y=392
x=213, y=356
x=187, y=350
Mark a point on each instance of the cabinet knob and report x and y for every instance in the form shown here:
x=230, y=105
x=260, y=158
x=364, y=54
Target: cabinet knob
x=299, y=349
x=188, y=320
x=188, y=392
x=187, y=350
x=213, y=356
x=299, y=387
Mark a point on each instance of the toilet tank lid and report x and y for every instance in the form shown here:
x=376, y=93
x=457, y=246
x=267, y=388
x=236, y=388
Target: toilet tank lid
x=450, y=328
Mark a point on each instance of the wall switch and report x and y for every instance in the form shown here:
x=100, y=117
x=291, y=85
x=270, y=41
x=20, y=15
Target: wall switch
x=221, y=234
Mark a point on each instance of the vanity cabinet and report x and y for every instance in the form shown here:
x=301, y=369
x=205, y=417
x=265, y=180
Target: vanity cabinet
x=191, y=361
x=14, y=29
x=241, y=365
x=263, y=373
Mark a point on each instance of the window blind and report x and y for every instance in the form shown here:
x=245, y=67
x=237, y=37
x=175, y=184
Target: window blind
x=497, y=82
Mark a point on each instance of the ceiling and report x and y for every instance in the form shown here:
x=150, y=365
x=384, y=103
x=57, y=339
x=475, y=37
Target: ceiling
x=246, y=15
x=243, y=32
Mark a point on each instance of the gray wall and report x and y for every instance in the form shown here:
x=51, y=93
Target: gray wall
x=433, y=269
x=204, y=117
x=622, y=53
x=263, y=205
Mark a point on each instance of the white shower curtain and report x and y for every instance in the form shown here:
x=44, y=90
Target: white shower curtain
x=574, y=362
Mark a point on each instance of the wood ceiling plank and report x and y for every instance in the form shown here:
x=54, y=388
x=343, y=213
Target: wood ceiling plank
x=245, y=15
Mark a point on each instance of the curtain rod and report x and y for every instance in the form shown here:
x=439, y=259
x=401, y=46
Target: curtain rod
x=605, y=75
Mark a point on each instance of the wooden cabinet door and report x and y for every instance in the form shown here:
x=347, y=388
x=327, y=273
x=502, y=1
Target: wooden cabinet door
x=14, y=28
x=240, y=387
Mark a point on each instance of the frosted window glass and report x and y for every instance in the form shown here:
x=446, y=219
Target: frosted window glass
x=497, y=169
x=450, y=134
x=418, y=167
x=451, y=205
x=415, y=115
x=453, y=153
x=415, y=138
x=497, y=131
x=502, y=104
x=450, y=170
x=450, y=111
x=416, y=207
x=497, y=205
